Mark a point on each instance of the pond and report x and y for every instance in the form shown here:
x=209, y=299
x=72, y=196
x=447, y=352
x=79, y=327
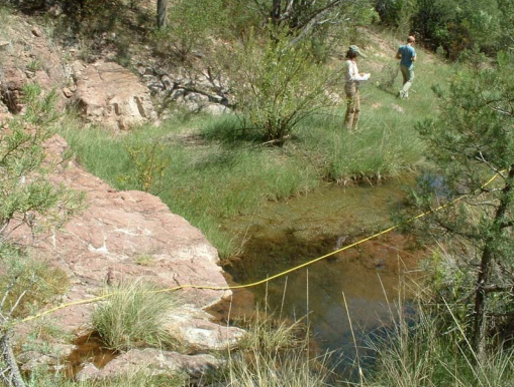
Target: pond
x=286, y=234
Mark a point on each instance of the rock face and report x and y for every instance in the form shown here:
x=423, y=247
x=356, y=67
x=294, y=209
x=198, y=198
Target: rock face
x=129, y=235
x=105, y=93
x=41, y=65
x=111, y=95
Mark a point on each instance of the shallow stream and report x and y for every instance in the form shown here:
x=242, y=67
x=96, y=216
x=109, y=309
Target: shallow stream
x=289, y=233
x=286, y=234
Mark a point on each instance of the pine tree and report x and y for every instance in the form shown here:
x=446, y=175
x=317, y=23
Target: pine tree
x=472, y=140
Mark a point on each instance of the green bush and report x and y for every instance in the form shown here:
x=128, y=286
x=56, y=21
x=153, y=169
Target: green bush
x=397, y=13
x=277, y=83
x=454, y=25
x=192, y=25
x=134, y=315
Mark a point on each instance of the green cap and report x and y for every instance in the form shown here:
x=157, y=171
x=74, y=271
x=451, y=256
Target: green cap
x=357, y=50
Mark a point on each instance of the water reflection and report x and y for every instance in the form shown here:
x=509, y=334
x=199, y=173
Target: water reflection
x=285, y=235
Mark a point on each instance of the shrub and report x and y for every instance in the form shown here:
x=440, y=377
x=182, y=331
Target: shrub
x=133, y=315
x=149, y=161
x=192, y=24
x=27, y=200
x=277, y=83
x=34, y=280
x=456, y=25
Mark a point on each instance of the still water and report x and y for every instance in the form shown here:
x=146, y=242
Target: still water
x=286, y=234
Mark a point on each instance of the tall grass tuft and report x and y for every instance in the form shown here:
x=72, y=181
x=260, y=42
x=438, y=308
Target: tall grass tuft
x=275, y=354
x=267, y=335
x=289, y=369
x=419, y=354
x=43, y=378
x=133, y=316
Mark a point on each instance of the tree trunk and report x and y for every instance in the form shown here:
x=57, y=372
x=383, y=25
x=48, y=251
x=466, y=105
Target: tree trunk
x=161, y=13
x=276, y=12
x=479, y=323
x=12, y=376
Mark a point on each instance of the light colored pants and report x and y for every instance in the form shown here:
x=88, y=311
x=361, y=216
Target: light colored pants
x=353, y=107
x=408, y=78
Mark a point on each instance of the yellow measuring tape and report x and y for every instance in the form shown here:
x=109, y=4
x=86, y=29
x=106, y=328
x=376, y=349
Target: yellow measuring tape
x=267, y=279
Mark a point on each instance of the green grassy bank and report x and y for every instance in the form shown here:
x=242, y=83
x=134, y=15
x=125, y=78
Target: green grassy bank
x=208, y=169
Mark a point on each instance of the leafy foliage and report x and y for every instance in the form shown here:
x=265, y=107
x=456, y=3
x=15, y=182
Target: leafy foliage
x=455, y=25
x=472, y=140
x=25, y=191
x=278, y=85
x=193, y=24
x=28, y=199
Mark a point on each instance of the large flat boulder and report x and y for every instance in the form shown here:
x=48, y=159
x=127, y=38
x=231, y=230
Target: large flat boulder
x=130, y=235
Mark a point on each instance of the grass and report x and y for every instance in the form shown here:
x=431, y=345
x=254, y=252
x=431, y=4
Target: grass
x=420, y=355
x=274, y=355
x=210, y=169
x=432, y=347
x=267, y=335
x=144, y=260
x=292, y=369
x=6, y=17
x=134, y=316
x=138, y=379
x=33, y=279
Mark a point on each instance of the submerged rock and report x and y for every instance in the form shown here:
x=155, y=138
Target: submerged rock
x=151, y=361
x=196, y=333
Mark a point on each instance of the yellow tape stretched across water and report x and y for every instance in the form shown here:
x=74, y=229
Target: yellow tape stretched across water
x=267, y=279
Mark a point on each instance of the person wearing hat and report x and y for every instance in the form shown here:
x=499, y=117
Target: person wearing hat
x=407, y=56
x=351, y=88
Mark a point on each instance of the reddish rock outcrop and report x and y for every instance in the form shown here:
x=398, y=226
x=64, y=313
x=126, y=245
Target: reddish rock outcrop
x=111, y=95
x=41, y=65
x=130, y=235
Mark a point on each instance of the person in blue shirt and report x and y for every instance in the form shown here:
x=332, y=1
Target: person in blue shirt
x=407, y=56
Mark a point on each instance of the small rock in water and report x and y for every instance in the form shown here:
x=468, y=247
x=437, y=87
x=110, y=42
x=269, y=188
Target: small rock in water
x=379, y=264
x=339, y=244
x=340, y=241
